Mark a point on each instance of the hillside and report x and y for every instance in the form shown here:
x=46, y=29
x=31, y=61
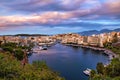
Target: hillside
x=90, y=32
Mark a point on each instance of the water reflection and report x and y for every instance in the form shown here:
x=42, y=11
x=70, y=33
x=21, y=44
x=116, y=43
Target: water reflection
x=70, y=61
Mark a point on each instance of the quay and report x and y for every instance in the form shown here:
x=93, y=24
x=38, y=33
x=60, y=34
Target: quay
x=106, y=51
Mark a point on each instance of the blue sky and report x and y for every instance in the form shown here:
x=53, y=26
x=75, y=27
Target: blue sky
x=57, y=16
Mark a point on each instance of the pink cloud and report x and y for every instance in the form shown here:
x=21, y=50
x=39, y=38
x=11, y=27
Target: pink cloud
x=113, y=7
x=44, y=18
x=110, y=7
x=48, y=17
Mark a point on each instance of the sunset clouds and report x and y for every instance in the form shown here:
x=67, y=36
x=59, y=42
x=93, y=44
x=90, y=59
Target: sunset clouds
x=58, y=13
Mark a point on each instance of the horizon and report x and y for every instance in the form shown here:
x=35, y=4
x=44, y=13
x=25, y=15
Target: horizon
x=58, y=16
x=55, y=34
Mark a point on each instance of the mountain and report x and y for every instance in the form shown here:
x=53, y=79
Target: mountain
x=31, y=35
x=117, y=30
x=90, y=32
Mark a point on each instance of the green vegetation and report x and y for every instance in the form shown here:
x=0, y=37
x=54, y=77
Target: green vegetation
x=110, y=72
x=100, y=68
x=14, y=66
x=11, y=69
x=15, y=49
x=114, y=45
x=19, y=54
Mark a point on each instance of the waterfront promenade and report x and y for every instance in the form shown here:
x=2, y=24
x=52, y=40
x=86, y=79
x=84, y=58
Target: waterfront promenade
x=108, y=52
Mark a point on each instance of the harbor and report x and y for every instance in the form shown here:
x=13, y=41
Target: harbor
x=70, y=61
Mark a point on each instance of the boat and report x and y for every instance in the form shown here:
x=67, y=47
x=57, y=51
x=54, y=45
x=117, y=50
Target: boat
x=37, y=49
x=44, y=47
x=87, y=71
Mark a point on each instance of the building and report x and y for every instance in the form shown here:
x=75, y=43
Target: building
x=93, y=40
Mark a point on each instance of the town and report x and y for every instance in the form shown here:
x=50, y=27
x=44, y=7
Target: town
x=70, y=38
x=96, y=42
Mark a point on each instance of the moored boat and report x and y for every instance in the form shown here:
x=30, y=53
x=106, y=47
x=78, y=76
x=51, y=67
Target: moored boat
x=87, y=71
x=44, y=47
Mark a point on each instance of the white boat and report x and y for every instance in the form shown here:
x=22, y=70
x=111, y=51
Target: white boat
x=87, y=71
x=44, y=48
x=40, y=48
x=37, y=49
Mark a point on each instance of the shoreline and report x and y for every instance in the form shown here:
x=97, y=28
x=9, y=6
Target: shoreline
x=108, y=52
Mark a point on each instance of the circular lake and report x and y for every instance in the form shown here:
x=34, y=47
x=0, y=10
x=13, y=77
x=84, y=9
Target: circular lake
x=70, y=61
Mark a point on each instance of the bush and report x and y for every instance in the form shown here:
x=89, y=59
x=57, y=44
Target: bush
x=11, y=69
x=100, y=68
x=19, y=54
x=9, y=49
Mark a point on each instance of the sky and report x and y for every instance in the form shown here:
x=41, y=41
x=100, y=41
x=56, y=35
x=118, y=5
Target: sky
x=57, y=16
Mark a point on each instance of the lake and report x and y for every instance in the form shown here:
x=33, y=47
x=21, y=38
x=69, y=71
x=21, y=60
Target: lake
x=70, y=61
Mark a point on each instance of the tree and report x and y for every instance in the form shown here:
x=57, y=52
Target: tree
x=114, y=68
x=116, y=78
x=100, y=68
x=92, y=74
x=11, y=69
x=19, y=54
x=7, y=48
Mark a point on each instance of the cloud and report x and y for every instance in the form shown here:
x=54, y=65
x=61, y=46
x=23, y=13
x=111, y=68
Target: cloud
x=42, y=5
x=46, y=18
x=48, y=5
x=41, y=30
x=43, y=18
x=89, y=8
x=111, y=8
x=85, y=13
x=110, y=27
x=71, y=4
